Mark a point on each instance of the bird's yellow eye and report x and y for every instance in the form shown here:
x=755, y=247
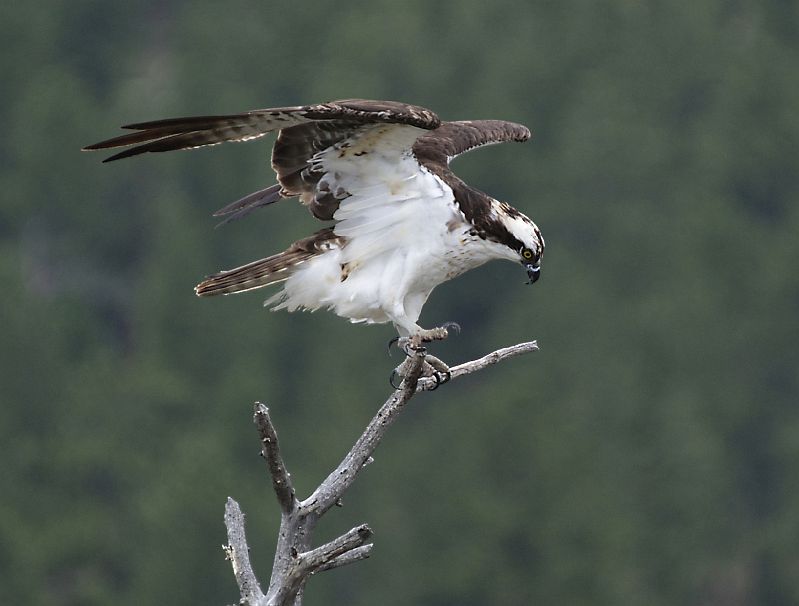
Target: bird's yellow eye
x=527, y=253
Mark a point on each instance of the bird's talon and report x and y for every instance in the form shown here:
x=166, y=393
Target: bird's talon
x=441, y=377
x=393, y=374
x=404, y=344
x=453, y=327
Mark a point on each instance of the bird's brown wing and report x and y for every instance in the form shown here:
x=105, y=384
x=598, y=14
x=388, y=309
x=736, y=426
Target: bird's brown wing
x=303, y=131
x=452, y=139
x=189, y=133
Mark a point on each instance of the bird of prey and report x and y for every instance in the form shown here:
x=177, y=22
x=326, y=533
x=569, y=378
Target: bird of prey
x=403, y=222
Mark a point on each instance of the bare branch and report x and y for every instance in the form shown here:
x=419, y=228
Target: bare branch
x=238, y=553
x=354, y=555
x=428, y=384
x=334, y=486
x=295, y=559
x=313, y=560
x=270, y=450
x=306, y=564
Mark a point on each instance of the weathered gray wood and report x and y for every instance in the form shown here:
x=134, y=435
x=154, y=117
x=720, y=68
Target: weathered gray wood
x=238, y=553
x=428, y=384
x=295, y=560
x=270, y=450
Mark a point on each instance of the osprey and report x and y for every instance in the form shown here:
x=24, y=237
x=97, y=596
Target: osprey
x=403, y=222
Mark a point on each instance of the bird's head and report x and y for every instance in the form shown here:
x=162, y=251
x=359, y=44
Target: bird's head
x=521, y=239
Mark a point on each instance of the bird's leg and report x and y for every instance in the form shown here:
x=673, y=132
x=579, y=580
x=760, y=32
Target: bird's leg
x=440, y=370
x=432, y=366
x=424, y=335
x=439, y=333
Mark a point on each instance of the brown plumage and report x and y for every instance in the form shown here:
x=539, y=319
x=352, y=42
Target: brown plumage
x=303, y=133
x=189, y=133
x=271, y=270
x=306, y=130
x=244, y=206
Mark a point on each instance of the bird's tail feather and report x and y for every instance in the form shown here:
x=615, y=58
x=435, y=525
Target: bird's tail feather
x=247, y=277
x=271, y=270
x=243, y=207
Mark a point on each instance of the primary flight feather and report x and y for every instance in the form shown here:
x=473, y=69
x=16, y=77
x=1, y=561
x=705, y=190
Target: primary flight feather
x=403, y=222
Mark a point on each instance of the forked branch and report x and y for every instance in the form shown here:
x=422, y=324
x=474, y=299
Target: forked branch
x=295, y=559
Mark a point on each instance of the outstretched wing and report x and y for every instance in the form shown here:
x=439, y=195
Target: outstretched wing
x=193, y=132
x=452, y=139
x=304, y=131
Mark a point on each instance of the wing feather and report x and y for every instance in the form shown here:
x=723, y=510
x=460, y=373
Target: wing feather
x=452, y=139
x=189, y=133
x=244, y=206
x=346, y=133
x=271, y=270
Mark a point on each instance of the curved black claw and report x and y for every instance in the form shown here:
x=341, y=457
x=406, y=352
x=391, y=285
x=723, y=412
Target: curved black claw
x=452, y=327
x=442, y=377
x=403, y=348
x=436, y=376
x=393, y=374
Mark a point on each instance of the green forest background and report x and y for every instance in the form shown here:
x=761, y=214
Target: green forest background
x=648, y=454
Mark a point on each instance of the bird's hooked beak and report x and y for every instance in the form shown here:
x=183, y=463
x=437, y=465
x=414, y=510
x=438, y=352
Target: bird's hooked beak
x=533, y=272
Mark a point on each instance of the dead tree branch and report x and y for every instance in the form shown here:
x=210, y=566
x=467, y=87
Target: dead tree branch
x=295, y=559
x=238, y=553
x=270, y=450
x=428, y=384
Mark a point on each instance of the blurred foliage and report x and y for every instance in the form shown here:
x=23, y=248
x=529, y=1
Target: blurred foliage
x=648, y=454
